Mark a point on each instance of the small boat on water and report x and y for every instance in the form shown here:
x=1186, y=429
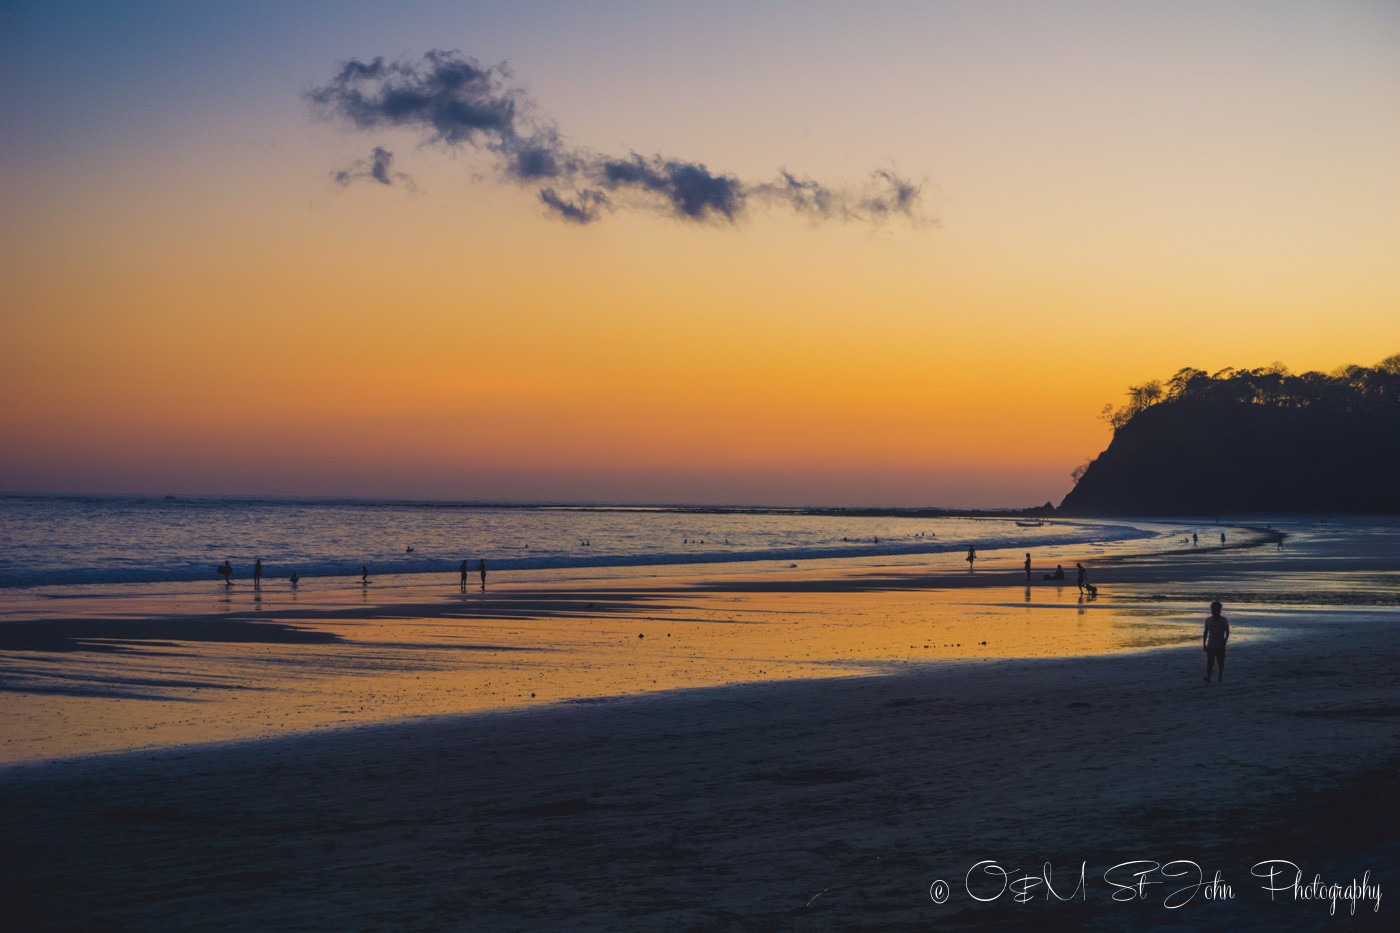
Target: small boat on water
x=1035, y=524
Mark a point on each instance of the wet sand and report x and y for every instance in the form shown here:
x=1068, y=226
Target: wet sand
x=826, y=802
x=103, y=669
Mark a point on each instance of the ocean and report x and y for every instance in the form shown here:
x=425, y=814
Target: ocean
x=56, y=540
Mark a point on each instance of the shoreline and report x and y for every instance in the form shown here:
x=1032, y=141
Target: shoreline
x=93, y=676
x=946, y=561
x=545, y=562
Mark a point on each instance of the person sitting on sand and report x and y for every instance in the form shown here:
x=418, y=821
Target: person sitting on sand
x=1213, y=638
x=971, y=556
x=226, y=571
x=1059, y=573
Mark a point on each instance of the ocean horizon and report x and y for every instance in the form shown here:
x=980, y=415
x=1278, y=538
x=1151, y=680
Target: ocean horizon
x=94, y=539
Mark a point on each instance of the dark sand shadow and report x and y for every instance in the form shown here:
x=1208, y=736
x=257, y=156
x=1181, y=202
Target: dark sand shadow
x=117, y=634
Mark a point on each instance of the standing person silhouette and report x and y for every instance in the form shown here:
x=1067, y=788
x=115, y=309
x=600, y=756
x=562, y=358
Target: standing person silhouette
x=1213, y=638
x=1222, y=538
x=257, y=574
x=1028, y=566
x=1195, y=539
x=971, y=556
x=463, y=570
x=481, y=569
x=1083, y=578
x=296, y=578
x=226, y=571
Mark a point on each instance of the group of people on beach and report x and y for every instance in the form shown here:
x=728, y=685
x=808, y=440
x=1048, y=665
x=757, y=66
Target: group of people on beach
x=1081, y=578
x=225, y=570
x=1214, y=636
x=480, y=568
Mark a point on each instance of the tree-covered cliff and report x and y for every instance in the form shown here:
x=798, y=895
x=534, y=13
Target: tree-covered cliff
x=1260, y=440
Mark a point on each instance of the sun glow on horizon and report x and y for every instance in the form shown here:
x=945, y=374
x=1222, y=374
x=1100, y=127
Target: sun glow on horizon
x=200, y=308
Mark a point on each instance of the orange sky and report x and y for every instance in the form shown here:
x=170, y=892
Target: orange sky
x=191, y=306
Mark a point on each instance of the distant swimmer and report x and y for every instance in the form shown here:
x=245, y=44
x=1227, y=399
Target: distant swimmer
x=481, y=569
x=1028, y=565
x=364, y=575
x=296, y=578
x=1083, y=577
x=1213, y=638
x=408, y=550
x=971, y=556
x=226, y=571
x=463, y=570
x=257, y=572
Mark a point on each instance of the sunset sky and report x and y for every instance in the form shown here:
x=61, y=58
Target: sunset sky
x=193, y=303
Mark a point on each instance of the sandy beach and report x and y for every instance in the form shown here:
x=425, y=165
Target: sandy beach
x=817, y=750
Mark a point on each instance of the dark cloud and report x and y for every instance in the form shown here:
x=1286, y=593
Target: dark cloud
x=585, y=207
x=455, y=101
x=378, y=167
x=689, y=187
x=456, y=97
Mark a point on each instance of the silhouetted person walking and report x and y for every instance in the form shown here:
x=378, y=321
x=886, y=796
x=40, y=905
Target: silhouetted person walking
x=481, y=569
x=226, y=571
x=463, y=570
x=257, y=573
x=1213, y=638
x=1028, y=566
x=1083, y=577
x=1195, y=539
x=971, y=556
x=364, y=575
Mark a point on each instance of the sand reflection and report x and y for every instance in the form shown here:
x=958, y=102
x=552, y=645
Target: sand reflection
x=120, y=675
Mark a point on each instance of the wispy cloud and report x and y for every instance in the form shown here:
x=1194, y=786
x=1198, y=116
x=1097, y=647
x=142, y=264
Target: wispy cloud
x=455, y=102
x=378, y=168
